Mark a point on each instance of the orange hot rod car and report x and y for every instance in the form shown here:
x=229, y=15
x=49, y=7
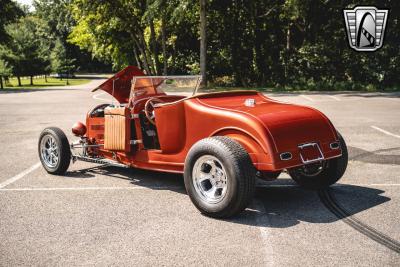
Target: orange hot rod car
x=220, y=141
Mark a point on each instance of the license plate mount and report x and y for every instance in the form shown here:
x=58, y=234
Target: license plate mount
x=310, y=152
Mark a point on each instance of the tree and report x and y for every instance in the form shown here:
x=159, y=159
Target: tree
x=131, y=32
x=9, y=12
x=26, y=52
x=60, y=62
x=5, y=71
x=165, y=14
x=203, y=42
x=287, y=43
x=57, y=15
x=103, y=28
x=60, y=21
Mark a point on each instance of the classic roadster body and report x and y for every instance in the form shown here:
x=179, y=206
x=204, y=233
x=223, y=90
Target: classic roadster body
x=220, y=140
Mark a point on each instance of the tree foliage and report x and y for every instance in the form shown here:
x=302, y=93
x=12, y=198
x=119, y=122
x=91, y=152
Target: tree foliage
x=9, y=12
x=60, y=62
x=130, y=32
x=288, y=43
x=284, y=43
x=59, y=19
x=27, y=50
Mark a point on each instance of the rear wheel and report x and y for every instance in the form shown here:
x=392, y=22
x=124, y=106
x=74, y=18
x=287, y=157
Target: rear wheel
x=323, y=174
x=54, y=150
x=219, y=177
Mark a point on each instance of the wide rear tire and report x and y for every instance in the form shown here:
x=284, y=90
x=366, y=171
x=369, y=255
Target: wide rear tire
x=332, y=172
x=219, y=177
x=54, y=150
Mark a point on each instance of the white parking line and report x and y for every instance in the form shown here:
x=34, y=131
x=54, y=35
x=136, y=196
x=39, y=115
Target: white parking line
x=92, y=188
x=385, y=132
x=263, y=224
x=334, y=97
x=308, y=98
x=19, y=175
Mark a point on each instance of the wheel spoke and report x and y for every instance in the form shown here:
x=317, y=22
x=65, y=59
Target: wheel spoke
x=220, y=184
x=54, y=144
x=211, y=192
x=204, y=177
x=55, y=159
x=48, y=157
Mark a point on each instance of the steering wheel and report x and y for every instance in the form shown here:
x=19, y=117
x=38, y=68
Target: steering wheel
x=149, y=108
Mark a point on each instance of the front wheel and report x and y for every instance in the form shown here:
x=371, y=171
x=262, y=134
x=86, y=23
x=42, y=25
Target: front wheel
x=54, y=150
x=219, y=177
x=321, y=175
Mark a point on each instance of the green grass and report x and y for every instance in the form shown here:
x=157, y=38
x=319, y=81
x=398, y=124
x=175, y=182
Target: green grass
x=40, y=82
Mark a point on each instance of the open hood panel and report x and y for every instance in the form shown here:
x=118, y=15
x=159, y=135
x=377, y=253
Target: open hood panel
x=122, y=83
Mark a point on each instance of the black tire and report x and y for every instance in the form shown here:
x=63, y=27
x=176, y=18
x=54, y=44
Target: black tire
x=333, y=171
x=240, y=176
x=63, y=152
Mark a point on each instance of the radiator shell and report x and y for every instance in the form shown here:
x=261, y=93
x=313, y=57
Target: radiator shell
x=116, y=129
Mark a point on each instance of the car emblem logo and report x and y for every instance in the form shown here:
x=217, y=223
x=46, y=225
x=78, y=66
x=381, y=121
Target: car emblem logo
x=365, y=27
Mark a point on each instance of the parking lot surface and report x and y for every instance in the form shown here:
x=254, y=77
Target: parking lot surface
x=96, y=215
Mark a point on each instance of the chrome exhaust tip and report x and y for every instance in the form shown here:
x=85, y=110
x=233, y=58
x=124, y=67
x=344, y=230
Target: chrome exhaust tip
x=334, y=145
x=286, y=156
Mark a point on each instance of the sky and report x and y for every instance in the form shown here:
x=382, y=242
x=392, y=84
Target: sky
x=25, y=2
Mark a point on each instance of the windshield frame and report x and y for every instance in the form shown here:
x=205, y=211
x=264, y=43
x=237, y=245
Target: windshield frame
x=167, y=77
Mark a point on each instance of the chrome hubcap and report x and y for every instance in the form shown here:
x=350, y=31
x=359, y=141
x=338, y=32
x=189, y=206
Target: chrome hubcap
x=49, y=151
x=210, y=179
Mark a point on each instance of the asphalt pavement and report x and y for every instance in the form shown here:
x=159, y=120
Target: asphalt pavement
x=97, y=215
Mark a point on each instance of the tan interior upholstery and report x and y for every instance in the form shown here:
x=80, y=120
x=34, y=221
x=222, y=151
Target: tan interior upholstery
x=116, y=129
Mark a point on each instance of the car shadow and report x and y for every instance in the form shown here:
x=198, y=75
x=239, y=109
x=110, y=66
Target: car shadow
x=137, y=177
x=283, y=206
x=277, y=204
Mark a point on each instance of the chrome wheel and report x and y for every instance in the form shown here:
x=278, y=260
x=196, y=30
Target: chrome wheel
x=49, y=151
x=210, y=179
